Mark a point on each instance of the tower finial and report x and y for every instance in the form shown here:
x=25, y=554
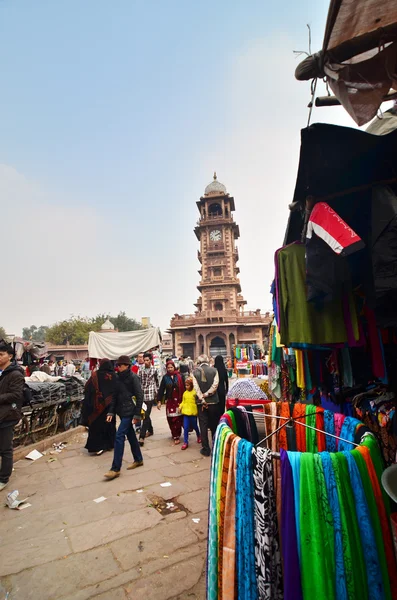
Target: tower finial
x=215, y=177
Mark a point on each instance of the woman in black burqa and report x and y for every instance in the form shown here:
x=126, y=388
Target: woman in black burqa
x=223, y=386
x=98, y=394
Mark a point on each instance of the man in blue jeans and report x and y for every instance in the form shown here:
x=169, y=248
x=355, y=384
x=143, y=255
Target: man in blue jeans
x=128, y=387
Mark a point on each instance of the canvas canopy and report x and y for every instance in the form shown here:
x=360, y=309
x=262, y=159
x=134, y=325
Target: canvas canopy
x=359, y=55
x=114, y=344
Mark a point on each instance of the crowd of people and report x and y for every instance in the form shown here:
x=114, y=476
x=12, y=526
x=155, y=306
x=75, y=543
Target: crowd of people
x=193, y=397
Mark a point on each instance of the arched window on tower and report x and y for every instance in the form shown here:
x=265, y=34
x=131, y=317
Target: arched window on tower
x=215, y=210
x=218, y=306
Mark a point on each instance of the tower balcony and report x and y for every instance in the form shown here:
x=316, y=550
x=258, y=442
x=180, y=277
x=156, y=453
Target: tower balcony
x=230, y=316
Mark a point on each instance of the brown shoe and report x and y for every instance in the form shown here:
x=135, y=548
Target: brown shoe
x=135, y=465
x=112, y=474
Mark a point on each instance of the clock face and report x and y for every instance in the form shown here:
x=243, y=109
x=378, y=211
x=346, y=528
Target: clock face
x=215, y=235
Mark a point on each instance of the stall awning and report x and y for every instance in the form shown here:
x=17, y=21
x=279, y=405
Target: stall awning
x=114, y=344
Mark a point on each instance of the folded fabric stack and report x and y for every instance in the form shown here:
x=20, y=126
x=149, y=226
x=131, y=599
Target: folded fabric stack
x=45, y=392
x=246, y=389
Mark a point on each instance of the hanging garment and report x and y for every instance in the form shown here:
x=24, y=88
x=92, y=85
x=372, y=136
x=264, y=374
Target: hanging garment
x=222, y=508
x=284, y=412
x=300, y=321
x=347, y=432
x=321, y=445
x=375, y=518
x=245, y=540
x=318, y=578
x=289, y=528
x=300, y=431
x=267, y=549
x=329, y=427
x=229, y=587
x=338, y=420
x=295, y=462
x=332, y=492
x=311, y=434
x=356, y=581
x=371, y=558
x=384, y=519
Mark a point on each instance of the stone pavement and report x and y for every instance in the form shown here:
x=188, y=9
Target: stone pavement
x=130, y=546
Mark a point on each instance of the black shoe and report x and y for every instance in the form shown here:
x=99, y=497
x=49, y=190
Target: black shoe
x=205, y=452
x=141, y=442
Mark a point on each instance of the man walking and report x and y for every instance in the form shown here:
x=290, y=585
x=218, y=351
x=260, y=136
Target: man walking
x=205, y=382
x=11, y=400
x=150, y=387
x=139, y=363
x=128, y=387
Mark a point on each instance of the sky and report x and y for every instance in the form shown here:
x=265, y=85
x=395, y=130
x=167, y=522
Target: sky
x=113, y=117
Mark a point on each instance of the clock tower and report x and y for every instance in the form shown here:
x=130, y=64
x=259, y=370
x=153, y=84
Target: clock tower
x=220, y=321
x=217, y=233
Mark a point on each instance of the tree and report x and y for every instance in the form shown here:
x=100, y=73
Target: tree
x=124, y=323
x=36, y=334
x=3, y=335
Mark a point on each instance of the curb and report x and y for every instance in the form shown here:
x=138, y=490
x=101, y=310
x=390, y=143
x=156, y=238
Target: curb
x=21, y=451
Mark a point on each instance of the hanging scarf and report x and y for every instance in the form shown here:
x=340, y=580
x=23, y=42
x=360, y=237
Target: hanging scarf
x=375, y=518
x=327, y=521
x=311, y=435
x=267, y=549
x=356, y=581
x=332, y=492
x=370, y=442
x=222, y=506
x=229, y=583
x=295, y=463
x=245, y=541
x=284, y=412
x=329, y=427
x=300, y=431
x=315, y=547
x=384, y=520
x=289, y=529
x=233, y=418
x=338, y=420
x=321, y=446
x=373, y=570
x=348, y=433
x=212, y=546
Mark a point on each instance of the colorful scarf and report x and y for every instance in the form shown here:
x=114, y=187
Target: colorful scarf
x=348, y=432
x=338, y=420
x=316, y=556
x=375, y=517
x=300, y=431
x=222, y=506
x=329, y=427
x=284, y=412
x=295, y=462
x=373, y=570
x=384, y=520
x=356, y=581
x=229, y=587
x=289, y=530
x=321, y=446
x=332, y=492
x=267, y=549
x=311, y=435
x=370, y=442
x=245, y=540
x=212, y=547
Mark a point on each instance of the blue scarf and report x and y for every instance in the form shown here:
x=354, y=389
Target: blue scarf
x=332, y=492
x=368, y=541
x=348, y=432
x=213, y=534
x=245, y=525
x=329, y=427
x=295, y=462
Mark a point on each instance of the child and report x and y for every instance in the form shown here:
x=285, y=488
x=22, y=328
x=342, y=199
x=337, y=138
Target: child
x=188, y=408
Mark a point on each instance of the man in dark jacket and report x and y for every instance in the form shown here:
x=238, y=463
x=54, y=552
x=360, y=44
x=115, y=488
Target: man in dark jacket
x=205, y=382
x=128, y=387
x=11, y=400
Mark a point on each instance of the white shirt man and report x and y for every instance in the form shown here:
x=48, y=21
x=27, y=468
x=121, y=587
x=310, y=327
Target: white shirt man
x=70, y=369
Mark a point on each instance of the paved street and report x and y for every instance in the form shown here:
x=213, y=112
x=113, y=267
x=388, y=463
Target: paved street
x=132, y=545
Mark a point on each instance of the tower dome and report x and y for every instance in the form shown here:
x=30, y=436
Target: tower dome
x=107, y=326
x=215, y=188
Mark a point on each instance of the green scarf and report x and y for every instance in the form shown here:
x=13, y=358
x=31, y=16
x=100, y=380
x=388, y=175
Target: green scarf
x=233, y=418
x=317, y=540
x=311, y=435
x=376, y=525
x=377, y=459
x=224, y=434
x=356, y=581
